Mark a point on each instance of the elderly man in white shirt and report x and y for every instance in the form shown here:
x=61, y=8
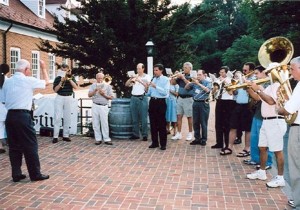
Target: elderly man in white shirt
x=100, y=94
x=292, y=106
x=21, y=136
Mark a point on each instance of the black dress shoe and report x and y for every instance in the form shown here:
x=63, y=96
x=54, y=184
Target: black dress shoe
x=145, y=138
x=55, y=140
x=40, y=178
x=202, y=142
x=195, y=142
x=66, y=139
x=134, y=137
x=153, y=146
x=216, y=146
x=98, y=142
x=19, y=178
x=163, y=148
x=108, y=143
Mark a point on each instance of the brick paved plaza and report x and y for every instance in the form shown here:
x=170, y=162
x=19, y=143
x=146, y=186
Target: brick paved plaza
x=128, y=175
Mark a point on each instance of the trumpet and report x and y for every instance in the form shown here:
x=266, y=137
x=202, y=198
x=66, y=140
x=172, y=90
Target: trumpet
x=107, y=79
x=249, y=74
x=133, y=79
x=174, y=76
x=66, y=77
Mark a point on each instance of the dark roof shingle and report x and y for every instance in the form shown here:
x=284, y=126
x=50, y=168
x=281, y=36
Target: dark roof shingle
x=19, y=13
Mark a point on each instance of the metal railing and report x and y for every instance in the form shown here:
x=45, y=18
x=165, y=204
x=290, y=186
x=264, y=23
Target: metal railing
x=84, y=115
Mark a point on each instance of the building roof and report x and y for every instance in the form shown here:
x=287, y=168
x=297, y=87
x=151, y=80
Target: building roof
x=17, y=12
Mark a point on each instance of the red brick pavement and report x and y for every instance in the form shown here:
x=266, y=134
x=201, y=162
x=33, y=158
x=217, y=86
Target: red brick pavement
x=128, y=175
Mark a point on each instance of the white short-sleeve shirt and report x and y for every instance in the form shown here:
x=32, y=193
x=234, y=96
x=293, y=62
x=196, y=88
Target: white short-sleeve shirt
x=18, y=91
x=293, y=104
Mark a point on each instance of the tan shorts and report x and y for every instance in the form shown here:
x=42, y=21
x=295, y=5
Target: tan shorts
x=185, y=106
x=271, y=134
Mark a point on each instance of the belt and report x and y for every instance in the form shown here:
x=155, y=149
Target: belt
x=19, y=110
x=199, y=100
x=185, y=96
x=138, y=95
x=294, y=124
x=100, y=104
x=64, y=94
x=271, y=118
x=154, y=98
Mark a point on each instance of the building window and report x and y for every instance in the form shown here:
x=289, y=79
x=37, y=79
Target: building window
x=76, y=64
x=65, y=61
x=41, y=8
x=35, y=67
x=15, y=56
x=51, y=67
x=5, y=2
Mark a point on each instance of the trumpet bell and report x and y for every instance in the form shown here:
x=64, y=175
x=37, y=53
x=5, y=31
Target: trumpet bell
x=277, y=49
x=107, y=79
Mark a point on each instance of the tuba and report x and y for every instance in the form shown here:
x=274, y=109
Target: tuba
x=278, y=50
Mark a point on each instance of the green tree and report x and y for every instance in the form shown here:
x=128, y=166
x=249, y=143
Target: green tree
x=113, y=38
x=243, y=50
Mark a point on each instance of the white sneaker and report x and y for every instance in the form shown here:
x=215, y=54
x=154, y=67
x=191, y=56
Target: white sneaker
x=276, y=182
x=177, y=136
x=259, y=174
x=189, y=136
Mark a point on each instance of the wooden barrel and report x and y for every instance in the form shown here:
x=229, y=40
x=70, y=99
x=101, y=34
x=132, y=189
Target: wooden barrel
x=119, y=119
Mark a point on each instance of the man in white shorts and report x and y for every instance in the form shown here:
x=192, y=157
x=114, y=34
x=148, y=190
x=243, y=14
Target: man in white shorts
x=184, y=102
x=271, y=134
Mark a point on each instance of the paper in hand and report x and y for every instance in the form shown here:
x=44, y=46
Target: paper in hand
x=61, y=73
x=130, y=73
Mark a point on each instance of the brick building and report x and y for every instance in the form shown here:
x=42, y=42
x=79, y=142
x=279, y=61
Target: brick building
x=22, y=25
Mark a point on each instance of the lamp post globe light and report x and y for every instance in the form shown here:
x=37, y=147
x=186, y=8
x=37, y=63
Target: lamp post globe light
x=150, y=48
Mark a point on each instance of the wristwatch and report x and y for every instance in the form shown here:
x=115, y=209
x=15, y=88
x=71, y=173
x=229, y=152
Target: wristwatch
x=258, y=91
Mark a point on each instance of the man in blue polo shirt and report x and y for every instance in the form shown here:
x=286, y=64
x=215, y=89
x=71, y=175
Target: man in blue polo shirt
x=201, y=89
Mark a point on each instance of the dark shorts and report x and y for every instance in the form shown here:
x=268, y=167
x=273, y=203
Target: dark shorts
x=241, y=117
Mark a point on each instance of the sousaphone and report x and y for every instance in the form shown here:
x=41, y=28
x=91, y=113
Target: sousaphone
x=278, y=51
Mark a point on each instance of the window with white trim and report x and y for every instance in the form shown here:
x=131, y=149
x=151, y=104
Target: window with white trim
x=76, y=64
x=35, y=67
x=15, y=56
x=51, y=66
x=5, y=2
x=65, y=61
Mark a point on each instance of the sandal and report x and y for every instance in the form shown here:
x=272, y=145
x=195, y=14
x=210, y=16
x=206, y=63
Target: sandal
x=226, y=151
x=244, y=153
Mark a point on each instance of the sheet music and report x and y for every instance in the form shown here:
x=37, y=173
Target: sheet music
x=212, y=77
x=193, y=74
x=169, y=71
x=130, y=73
x=61, y=73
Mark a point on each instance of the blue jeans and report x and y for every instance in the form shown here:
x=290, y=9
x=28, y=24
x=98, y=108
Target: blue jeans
x=200, y=119
x=255, y=128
